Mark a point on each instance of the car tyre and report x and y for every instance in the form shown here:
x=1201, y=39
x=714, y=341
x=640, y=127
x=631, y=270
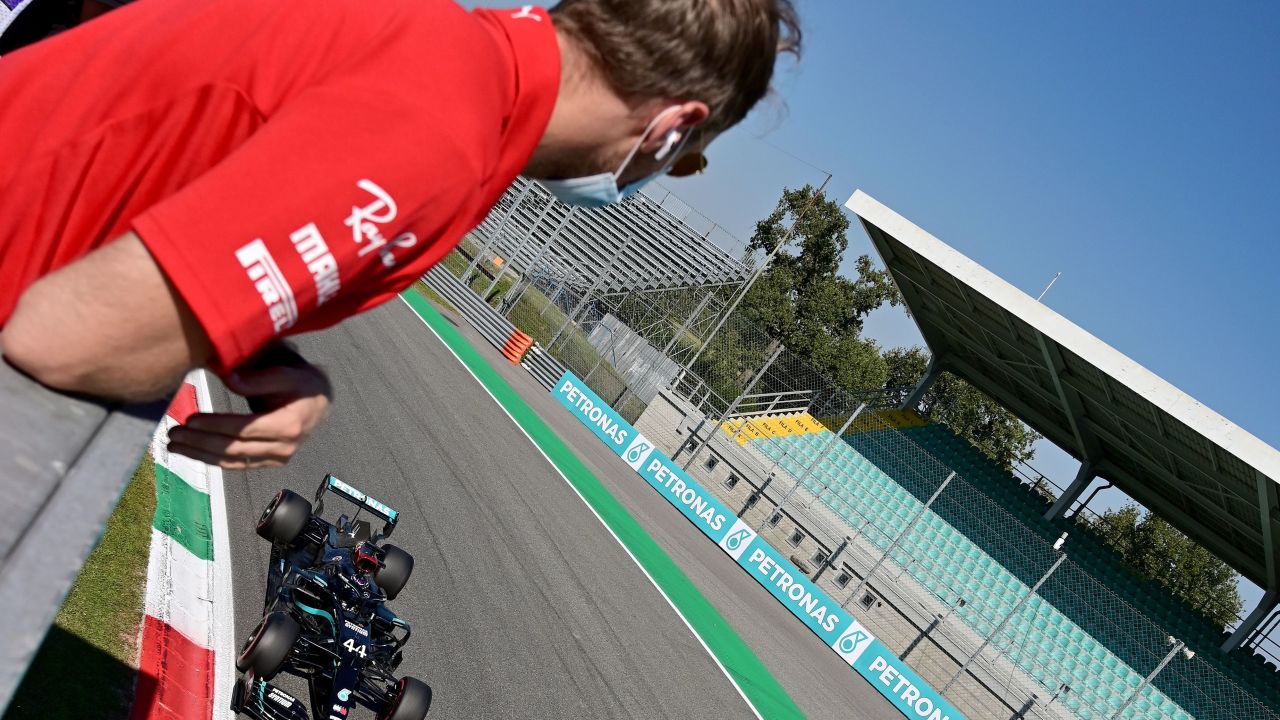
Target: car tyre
x=266, y=649
x=397, y=566
x=412, y=701
x=285, y=517
x=237, y=696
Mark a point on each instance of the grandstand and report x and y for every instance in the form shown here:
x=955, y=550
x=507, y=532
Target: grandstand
x=1056, y=637
x=641, y=244
x=1208, y=477
x=632, y=278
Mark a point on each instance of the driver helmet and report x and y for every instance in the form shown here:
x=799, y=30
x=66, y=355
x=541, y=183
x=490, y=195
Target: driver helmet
x=366, y=558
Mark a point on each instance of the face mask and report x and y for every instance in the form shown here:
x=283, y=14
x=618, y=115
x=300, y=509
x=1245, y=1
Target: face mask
x=594, y=191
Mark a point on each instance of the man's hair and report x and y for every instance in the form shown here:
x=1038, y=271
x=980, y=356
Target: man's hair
x=718, y=51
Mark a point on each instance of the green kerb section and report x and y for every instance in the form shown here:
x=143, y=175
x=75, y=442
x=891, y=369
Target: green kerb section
x=183, y=513
x=742, y=664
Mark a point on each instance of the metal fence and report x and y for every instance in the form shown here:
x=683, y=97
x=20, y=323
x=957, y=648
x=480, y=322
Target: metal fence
x=938, y=558
x=624, y=344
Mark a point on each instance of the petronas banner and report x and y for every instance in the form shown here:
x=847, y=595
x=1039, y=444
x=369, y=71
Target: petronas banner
x=818, y=611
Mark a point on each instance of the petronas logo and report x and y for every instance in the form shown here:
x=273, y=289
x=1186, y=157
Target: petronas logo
x=637, y=451
x=850, y=642
x=734, y=541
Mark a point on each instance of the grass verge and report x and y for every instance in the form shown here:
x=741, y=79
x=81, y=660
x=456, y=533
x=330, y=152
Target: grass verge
x=87, y=665
x=425, y=290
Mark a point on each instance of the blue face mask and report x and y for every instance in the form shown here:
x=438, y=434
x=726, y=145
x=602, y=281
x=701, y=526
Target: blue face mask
x=595, y=191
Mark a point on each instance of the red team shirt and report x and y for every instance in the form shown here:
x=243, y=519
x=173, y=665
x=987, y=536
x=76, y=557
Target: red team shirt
x=287, y=162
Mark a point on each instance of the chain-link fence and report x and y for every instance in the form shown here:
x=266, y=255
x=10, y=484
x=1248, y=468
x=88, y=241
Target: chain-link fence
x=942, y=554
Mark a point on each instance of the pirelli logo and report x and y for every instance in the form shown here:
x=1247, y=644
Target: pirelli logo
x=270, y=283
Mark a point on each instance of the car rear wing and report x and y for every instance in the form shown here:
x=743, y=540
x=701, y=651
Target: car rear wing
x=332, y=484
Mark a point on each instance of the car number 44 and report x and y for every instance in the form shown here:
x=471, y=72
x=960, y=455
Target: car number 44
x=351, y=646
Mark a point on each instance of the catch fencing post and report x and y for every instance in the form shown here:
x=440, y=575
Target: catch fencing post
x=1178, y=646
x=808, y=470
x=737, y=433
x=595, y=367
x=523, y=242
x=826, y=450
x=555, y=296
x=1005, y=620
x=502, y=226
x=734, y=406
x=666, y=350
x=893, y=545
x=755, y=495
x=582, y=302
x=755, y=276
x=831, y=559
x=693, y=435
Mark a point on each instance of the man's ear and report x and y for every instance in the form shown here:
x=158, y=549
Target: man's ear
x=686, y=116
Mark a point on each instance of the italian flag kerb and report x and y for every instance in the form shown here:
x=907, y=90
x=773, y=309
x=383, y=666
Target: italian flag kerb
x=176, y=658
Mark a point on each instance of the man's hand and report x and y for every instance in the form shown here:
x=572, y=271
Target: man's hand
x=292, y=400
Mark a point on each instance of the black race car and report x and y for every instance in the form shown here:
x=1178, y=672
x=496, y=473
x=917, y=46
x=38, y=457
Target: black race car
x=325, y=616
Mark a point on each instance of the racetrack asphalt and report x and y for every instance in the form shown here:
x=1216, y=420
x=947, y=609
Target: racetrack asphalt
x=522, y=604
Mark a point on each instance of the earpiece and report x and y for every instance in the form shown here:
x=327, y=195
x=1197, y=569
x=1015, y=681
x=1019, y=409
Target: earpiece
x=672, y=138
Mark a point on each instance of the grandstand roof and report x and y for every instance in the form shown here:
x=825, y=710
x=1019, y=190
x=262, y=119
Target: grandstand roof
x=1204, y=474
x=636, y=245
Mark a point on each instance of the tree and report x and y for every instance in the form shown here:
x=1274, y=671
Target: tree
x=955, y=403
x=803, y=302
x=1155, y=550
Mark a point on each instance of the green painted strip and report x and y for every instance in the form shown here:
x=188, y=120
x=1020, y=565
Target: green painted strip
x=755, y=680
x=183, y=513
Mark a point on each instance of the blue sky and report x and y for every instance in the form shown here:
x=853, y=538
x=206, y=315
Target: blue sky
x=1135, y=151
x=1133, y=147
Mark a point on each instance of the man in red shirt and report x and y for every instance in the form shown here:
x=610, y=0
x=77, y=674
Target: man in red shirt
x=186, y=181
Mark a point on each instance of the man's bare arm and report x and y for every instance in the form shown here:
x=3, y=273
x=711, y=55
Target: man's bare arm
x=109, y=324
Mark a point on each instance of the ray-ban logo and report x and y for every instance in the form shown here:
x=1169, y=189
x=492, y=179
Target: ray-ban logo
x=366, y=224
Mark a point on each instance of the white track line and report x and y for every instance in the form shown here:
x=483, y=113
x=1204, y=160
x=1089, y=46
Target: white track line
x=621, y=544
x=223, y=599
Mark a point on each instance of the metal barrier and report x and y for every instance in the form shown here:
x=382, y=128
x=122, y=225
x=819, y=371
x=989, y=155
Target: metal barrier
x=63, y=463
x=492, y=325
